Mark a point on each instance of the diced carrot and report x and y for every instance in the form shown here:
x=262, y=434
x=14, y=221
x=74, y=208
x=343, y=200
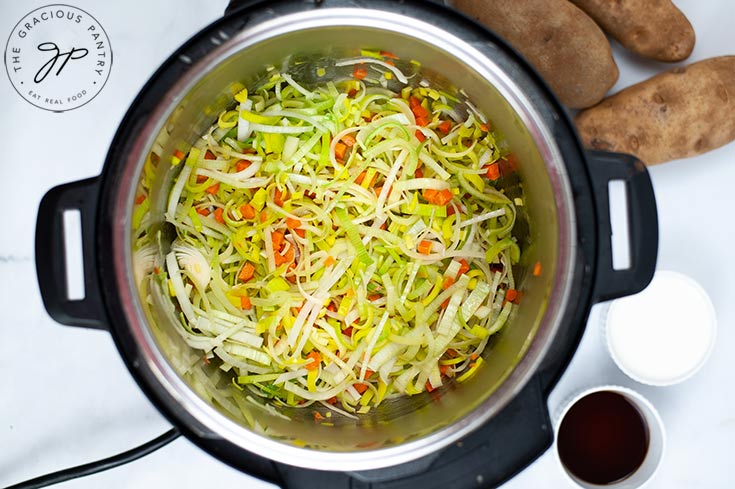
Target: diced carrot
x=290, y=256
x=485, y=127
x=445, y=304
x=429, y=194
x=245, y=303
x=413, y=102
x=293, y=223
x=286, y=257
x=452, y=353
x=513, y=295
x=429, y=387
x=438, y=197
x=209, y=156
x=201, y=179
x=347, y=331
x=368, y=373
x=279, y=197
x=420, y=111
x=339, y=151
x=425, y=247
x=389, y=62
x=218, y=215
x=360, y=388
x=352, y=93
x=179, y=154
x=331, y=307
x=451, y=210
x=474, y=356
x=444, y=197
x=537, y=269
x=444, y=369
x=318, y=416
x=448, y=282
x=422, y=121
x=360, y=177
x=464, y=267
x=263, y=216
x=139, y=199
x=203, y=211
x=329, y=261
x=277, y=239
x=213, y=189
x=419, y=173
x=349, y=140
x=315, y=358
x=444, y=127
x=388, y=54
x=360, y=72
x=493, y=171
x=301, y=233
x=247, y=272
x=374, y=297
x=247, y=211
x=420, y=135
x=332, y=400
x=241, y=165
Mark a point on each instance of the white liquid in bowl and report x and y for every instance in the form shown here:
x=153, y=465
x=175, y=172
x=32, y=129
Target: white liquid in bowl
x=663, y=334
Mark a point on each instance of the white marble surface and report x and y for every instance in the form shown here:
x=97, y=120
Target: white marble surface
x=66, y=397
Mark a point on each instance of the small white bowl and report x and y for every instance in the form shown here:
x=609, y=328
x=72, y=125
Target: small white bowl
x=656, y=439
x=664, y=334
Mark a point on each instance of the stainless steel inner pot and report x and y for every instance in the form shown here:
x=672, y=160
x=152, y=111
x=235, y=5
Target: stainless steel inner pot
x=402, y=429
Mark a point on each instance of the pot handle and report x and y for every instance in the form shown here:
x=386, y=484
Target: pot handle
x=51, y=269
x=605, y=167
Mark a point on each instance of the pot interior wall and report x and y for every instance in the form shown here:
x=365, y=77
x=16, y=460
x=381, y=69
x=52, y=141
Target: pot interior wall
x=397, y=420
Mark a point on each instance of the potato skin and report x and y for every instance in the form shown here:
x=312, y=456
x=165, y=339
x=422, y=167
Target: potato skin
x=682, y=112
x=655, y=29
x=567, y=48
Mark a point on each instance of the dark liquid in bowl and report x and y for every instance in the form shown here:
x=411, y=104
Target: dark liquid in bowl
x=603, y=438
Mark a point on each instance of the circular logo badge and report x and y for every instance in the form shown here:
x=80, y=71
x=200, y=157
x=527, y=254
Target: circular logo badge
x=58, y=57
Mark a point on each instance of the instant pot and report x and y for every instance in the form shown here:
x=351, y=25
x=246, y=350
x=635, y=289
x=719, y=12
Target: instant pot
x=475, y=434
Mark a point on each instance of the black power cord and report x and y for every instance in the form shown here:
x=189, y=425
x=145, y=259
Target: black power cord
x=100, y=465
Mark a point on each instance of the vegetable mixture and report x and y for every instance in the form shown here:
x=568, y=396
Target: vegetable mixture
x=343, y=244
